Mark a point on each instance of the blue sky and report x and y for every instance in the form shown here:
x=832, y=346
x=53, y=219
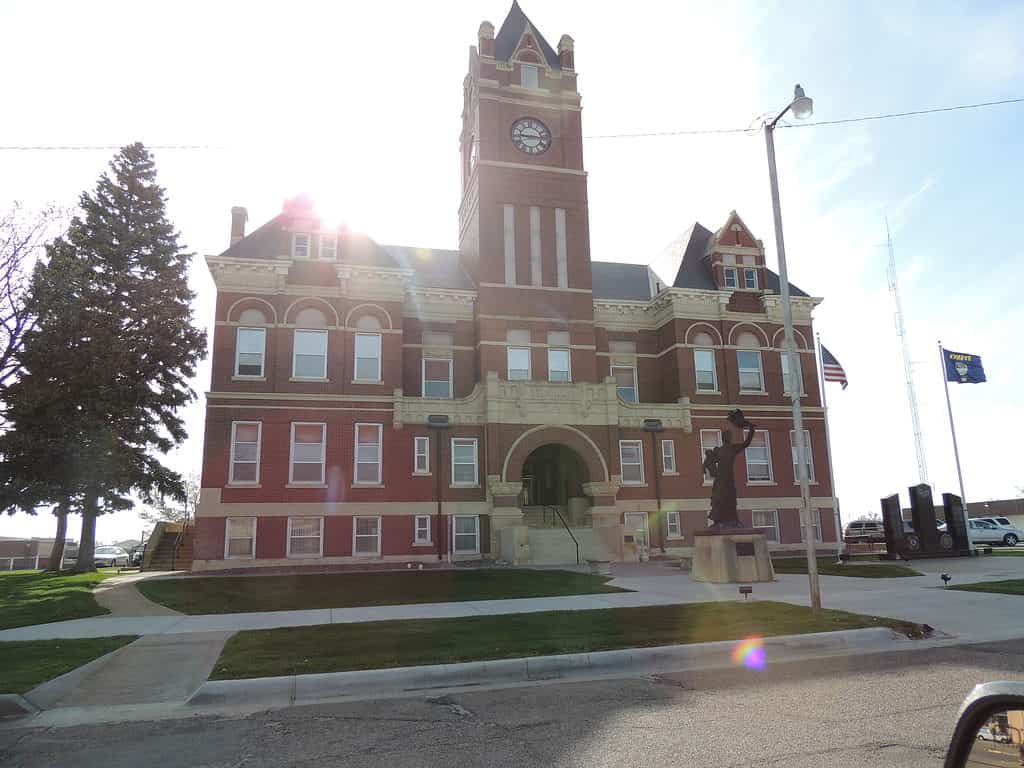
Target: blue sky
x=359, y=105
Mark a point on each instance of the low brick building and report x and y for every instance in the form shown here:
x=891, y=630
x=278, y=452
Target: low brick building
x=331, y=351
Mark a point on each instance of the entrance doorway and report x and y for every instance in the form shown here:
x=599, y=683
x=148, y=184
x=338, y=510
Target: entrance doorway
x=553, y=476
x=635, y=536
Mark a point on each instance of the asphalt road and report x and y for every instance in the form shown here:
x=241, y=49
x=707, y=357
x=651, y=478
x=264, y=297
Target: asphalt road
x=884, y=710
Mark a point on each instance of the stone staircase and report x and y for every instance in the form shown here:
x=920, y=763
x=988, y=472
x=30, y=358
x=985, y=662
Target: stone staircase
x=539, y=517
x=164, y=557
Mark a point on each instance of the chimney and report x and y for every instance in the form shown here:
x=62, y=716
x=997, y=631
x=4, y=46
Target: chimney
x=485, y=37
x=238, y=218
x=565, y=52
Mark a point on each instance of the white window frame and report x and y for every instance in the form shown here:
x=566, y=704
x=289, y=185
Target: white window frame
x=636, y=383
x=331, y=238
x=355, y=454
x=668, y=458
x=323, y=453
x=231, y=456
x=228, y=537
x=714, y=372
x=355, y=537
x=815, y=523
x=726, y=272
x=416, y=538
x=419, y=441
x=321, y=332
x=355, y=356
x=717, y=444
x=456, y=535
x=774, y=526
x=451, y=381
x=784, y=368
x=532, y=82
x=476, y=462
x=810, y=456
x=263, y=353
x=622, y=464
x=296, y=247
x=740, y=370
x=529, y=363
x=674, y=525
x=768, y=450
x=750, y=272
x=568, y=365
x=305, y=556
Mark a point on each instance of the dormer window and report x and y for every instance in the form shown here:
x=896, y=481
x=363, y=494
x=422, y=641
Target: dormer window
x=529, y=76
x=300, y=245
x=731, y=278
x=750, y=278
x=328, y=247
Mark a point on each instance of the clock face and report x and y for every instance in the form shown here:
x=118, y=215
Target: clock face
x=531, y=136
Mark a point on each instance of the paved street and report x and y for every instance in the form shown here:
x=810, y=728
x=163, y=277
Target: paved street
x=894, y=709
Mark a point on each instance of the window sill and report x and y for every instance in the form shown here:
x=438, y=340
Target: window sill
x=375, y=382
x=304, y=557
x=423, y=544
x=634, y=485
x=463, y=485
x=429, y=397
x=306, y=485
x=810, y=482
x=240, y=557
x=758, y=392
x=422, y=474
x=243, y=485
x=314, y=380
x=236, y=377
x=790, y=395
x=708, y=392
x=367, y=485
x=761, y=483
x=670, y=474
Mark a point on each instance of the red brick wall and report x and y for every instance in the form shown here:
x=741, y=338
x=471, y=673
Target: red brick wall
x=209, y=538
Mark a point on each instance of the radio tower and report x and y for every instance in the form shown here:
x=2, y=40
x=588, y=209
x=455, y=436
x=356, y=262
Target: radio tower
x=922, y=466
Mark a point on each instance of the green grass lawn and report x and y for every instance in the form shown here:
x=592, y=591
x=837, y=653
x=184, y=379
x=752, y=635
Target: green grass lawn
x=1008, y=587
x=374, y=645
x=827, y=566
x=24, y=665
x=1008, y=551
x=236, y=594
x=39, y=597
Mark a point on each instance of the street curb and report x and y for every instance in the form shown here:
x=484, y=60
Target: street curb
x=13, y=705
x=626, y=662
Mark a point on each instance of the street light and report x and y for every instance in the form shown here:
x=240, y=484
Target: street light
x=438, y=424
x=651, y=427
x=802, y=107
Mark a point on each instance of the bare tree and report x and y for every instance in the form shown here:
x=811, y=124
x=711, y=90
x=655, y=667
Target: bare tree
x=171, y=511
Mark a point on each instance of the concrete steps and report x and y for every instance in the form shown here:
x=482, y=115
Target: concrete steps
x=164, y=557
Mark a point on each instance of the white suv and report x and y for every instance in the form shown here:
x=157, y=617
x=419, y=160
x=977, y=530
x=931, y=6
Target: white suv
x=1011, y=534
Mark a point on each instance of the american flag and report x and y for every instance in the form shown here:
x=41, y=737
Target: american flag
x=833, y=370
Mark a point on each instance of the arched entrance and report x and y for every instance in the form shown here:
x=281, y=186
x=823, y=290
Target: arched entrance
x=553, y=474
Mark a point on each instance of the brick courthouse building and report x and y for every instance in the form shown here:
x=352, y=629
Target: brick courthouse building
x=330, y=352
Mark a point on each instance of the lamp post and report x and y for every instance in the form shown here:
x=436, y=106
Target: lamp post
x=652, y=427
x=438, y=424
x=802, y=107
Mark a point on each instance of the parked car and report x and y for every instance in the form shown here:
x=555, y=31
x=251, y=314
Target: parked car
x=1011, y=533
x=135, y=558
x=109, y=557
x=865, y=530
x=987, y=733
x=984, y=532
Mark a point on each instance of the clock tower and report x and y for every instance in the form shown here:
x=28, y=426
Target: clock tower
x=523, y=221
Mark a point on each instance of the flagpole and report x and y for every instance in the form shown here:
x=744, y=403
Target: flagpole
x=828, y=451
x=952, y=429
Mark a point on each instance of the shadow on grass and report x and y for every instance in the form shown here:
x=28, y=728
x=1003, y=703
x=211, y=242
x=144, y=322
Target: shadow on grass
x=40, y=597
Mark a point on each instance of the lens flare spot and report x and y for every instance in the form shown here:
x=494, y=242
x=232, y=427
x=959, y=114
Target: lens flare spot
x=750, y=653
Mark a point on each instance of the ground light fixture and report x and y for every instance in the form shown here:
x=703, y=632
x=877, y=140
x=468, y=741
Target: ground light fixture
x=652, y=427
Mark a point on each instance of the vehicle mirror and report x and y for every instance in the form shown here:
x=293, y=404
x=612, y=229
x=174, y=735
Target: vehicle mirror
x=990, y=727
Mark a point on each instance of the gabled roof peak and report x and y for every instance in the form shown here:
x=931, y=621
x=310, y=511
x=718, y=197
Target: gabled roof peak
x=516, y=24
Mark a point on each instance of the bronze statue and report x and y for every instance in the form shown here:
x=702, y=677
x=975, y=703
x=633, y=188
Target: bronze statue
x=718, y=462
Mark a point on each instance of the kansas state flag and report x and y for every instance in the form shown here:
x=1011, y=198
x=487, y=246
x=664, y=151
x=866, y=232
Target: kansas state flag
x=963, y=369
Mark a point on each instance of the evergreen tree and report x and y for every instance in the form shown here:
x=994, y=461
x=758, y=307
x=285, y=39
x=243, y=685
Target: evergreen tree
x=113, y=349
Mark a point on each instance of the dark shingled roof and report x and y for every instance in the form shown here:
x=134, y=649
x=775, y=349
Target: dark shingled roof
x=432, y=267
x=625, y=282
x=266, y=242
x=512, y=30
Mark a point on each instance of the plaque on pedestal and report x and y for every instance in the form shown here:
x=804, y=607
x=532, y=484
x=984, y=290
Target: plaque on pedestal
x=731, y=556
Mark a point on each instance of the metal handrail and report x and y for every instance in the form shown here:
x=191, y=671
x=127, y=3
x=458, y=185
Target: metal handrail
x=558, y=512
x=178, y=540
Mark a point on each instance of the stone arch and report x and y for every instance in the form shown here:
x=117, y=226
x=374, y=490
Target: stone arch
x=755, y=329
x=580, y=442
x=310, y=301
x=239, y=305
x=375, y=309
x=801, y=342
x=703, y=327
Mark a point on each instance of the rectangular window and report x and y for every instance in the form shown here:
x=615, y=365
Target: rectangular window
x=675, y=529
x=787, y=383
x=367, y=357
x=759, y=458
x=309, y=355
x=518, y=363
x=422, y=535
x=300, y=245
x=464, y=470
x=815, y=524
x=510, y=245
x=767, y=520
x=631, y=459
x=368, y=453
x=709, y=439
x=529, y=76
x=437, y=377
x=751, y=374
x=750, y=278
x=808, y=454
x=704, y=365
x=366, y=536
x=561, y=254
x=245, y=452
x=305, y=537
x=421, y=455
x=535, y=254
x=668, y=457
x=249, y=346
x=466, y=534
x=328, y=247
x=239, y=538
x=731, y=279
x=625, y=382
x=307, y=452
x=558, y=365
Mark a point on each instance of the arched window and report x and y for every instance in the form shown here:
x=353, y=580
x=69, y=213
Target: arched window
x=310, y=317
x=252, y=317
x=748, y=359
x=705, y=372
x=368, y=323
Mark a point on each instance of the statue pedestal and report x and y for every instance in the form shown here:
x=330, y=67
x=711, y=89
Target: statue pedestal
x=731, y=556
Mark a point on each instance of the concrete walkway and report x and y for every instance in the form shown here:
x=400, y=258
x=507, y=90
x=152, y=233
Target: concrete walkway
x=119, y=596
